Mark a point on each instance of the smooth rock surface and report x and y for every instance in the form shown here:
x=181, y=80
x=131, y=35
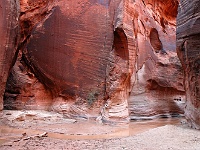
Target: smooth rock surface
x=9, y=29
x=71, y=60
x=83, y=58
x=188, y=45
x=158, y=85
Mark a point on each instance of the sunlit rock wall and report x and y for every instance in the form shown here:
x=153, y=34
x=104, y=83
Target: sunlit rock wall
x=188, y=48
x=84, y=58
x=158, y=88
x=71, y=59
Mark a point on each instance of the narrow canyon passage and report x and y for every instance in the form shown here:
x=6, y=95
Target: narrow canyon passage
x=85, y=68
x=86, y=71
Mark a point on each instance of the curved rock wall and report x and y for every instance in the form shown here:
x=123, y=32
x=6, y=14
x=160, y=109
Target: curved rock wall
x=71, y=58
x=188, y=45
x=158, y=88
x=24, y=90
x=83, y=58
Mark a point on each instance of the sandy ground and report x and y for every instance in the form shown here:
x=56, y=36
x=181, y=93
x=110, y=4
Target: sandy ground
x=38, y=130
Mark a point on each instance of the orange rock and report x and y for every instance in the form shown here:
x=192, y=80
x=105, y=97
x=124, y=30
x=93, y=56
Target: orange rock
x=85, y=57
x=159, y=78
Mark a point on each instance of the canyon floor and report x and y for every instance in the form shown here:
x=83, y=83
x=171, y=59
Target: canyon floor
x=33, y=130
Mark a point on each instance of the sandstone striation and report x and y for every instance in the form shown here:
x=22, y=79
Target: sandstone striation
x=24, y=90
x=9, y=29
x=188, y=44
x=83, y=58
x=158, y=87
x=71, y=59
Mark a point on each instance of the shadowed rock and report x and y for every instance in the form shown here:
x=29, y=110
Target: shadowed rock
x=9, y=16
x=188, y=46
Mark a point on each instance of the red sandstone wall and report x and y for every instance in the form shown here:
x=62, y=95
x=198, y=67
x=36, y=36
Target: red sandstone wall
x=84, y=58
x=9, y=12
x=71, y=56
x=158, y=82
x=188, y=44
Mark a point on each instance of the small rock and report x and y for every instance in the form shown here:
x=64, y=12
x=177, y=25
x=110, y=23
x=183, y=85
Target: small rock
x=8, y=114
x=20, y=118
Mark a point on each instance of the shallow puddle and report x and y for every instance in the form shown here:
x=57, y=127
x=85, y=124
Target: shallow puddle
x=119, y=131
x=136, y=127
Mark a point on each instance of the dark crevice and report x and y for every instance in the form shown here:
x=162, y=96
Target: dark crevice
x=120, y=44
x=162, y=22
x=26, y=26
x=155, y=40
x=154, y=85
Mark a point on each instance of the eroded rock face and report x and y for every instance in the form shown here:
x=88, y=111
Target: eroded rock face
x=74, y=51
x=158, y=88
x=188, y=45
x=9, y=13
x=24, y=90
x=84, y=57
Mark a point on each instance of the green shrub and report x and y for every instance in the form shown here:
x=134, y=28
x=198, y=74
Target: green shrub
x=92, y=97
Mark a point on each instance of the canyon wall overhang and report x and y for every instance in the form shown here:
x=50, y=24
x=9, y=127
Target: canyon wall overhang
x=71, y=57
x=83, y=58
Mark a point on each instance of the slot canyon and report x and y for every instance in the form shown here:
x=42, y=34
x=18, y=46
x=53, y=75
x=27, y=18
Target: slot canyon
x=99, y=74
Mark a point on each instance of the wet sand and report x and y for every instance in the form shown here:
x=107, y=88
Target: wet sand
x=24, y=130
